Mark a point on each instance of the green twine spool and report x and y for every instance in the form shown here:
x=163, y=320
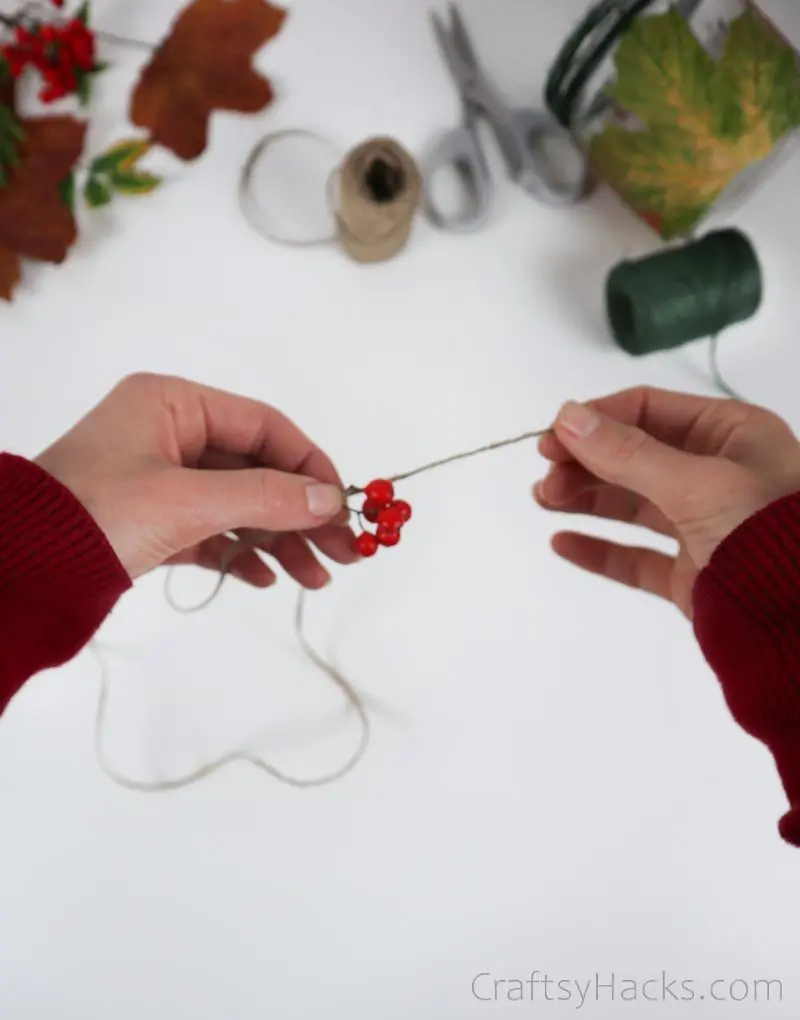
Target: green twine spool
x=684, y=294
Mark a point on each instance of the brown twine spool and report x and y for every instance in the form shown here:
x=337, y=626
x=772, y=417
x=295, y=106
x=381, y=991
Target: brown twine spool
x=380, y=191
x=374, y=195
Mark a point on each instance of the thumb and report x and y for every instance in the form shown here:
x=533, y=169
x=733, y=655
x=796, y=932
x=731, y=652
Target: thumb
x=257, y=498
x=623, y=454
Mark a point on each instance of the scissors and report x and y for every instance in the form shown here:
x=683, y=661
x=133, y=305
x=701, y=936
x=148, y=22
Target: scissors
x=518, y=131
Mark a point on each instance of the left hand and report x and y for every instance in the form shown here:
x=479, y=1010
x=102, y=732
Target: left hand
x=166, y=467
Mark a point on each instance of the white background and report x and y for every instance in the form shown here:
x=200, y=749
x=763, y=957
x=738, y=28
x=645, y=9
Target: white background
x=554, y=782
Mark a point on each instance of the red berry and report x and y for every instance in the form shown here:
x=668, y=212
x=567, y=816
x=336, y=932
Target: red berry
x=52, y=93
x=403, y=508
x=367, y=544
x=17, y=60
x=371, y=509
x=84, y=61
x=81, y=46
x=380, y=491
x=391, y=518
x=388, y=536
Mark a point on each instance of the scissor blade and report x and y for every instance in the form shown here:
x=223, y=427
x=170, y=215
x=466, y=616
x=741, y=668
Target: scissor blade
x=460, y=37
x=445, y=41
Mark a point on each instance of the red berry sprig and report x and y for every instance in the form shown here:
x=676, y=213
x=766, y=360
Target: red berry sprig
x=62, y=54
x=389, y=514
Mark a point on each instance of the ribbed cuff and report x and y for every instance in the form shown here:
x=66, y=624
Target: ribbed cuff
x=759, y=566
x=59, y=576
x=747, y=620
x=47, y=534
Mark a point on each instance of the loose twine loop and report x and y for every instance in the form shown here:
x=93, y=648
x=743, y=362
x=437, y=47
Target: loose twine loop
x=373, y=194
x=353, y=699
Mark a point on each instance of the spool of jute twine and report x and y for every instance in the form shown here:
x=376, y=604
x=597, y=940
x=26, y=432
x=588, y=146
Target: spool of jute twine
x=373, y=194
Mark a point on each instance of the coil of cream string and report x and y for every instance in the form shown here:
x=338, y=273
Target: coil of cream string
x=373, y=194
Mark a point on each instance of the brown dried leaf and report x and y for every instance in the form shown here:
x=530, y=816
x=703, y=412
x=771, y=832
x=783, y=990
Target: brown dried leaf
x=35, y=222
x=205, y=65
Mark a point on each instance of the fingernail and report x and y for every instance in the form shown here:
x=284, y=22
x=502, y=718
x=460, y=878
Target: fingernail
x=324, y=500
x=578, y=419
x=544, y=493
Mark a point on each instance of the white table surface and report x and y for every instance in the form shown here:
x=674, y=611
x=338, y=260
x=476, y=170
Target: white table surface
x=554, y=782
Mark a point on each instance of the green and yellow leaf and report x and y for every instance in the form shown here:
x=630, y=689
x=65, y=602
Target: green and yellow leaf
x=705, y=121
x=120, y=156
x=129, y=182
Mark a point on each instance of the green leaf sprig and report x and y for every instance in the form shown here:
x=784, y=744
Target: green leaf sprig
x=116, y=172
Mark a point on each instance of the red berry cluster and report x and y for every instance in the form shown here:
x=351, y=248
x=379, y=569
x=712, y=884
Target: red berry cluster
x=389, y=514
x=61, y=53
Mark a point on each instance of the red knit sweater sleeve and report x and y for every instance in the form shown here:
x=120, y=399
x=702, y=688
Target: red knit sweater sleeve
x=747, y=620
x=59, y=577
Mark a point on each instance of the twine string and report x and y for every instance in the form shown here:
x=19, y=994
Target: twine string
x=352, y=697
x=499, y=445
x=373, y=195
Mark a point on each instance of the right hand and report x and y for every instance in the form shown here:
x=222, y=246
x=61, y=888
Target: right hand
x=692, y=468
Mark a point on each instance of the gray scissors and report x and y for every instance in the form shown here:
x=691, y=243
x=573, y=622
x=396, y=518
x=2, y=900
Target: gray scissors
x=518, y=133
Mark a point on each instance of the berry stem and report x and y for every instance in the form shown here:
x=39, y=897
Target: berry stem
x=355, y=491
x=15, y=20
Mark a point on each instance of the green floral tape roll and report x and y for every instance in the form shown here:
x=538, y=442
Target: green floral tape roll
x=684, y=294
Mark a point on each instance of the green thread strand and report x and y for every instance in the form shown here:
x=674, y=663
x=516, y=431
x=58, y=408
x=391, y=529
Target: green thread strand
x=684, y=294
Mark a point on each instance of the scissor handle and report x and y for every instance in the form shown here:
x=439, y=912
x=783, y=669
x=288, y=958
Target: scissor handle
x=459, y=150
x=533, y=127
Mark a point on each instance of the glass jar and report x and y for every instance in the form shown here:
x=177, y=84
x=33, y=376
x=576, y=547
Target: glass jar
x=683, y=108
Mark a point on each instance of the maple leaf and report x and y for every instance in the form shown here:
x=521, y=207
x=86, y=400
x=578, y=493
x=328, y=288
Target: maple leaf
x=705, y=121
x=205, y=65
x=35, y=221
